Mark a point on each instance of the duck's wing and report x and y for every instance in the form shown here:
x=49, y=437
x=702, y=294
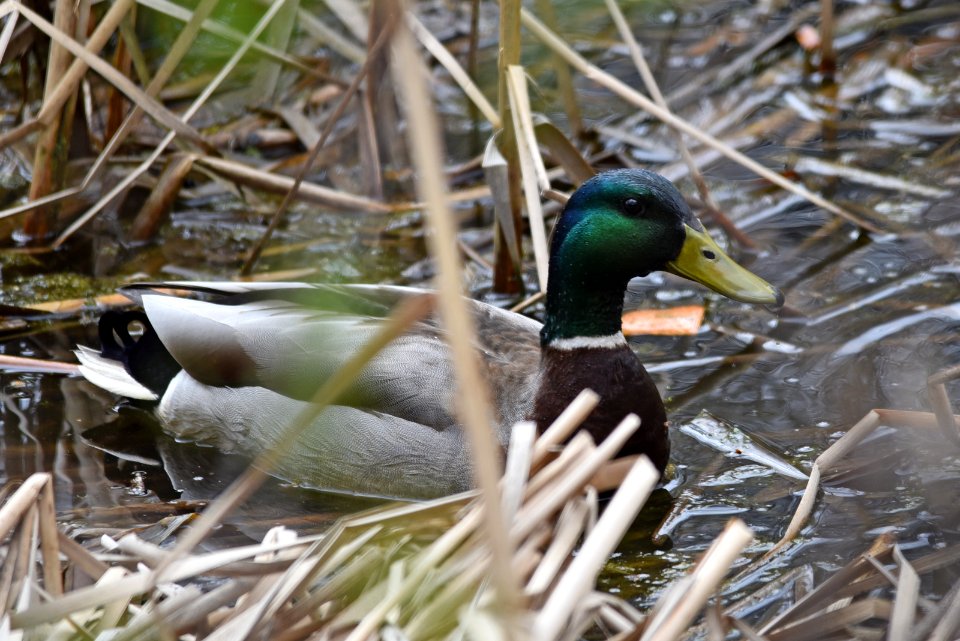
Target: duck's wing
x=509, y=348
x=291, y=339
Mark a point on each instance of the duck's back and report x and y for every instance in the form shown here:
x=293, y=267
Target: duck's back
x=291, y=340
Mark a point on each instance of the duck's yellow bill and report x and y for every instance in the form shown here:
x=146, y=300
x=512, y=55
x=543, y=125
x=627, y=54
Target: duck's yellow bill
x=702, y=260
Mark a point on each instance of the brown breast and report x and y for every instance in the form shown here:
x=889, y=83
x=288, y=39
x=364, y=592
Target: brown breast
x=624, y=386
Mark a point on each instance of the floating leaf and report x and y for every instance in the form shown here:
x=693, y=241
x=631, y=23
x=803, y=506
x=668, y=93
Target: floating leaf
x=673, y=321
x=733, y=442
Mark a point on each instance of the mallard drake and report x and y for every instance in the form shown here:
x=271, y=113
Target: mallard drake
x=232, y=370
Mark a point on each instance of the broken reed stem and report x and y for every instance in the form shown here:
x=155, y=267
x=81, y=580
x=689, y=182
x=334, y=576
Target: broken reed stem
x=431, y=590
x=564, y=425
x=668, y=624
x=517, y=469
x=473, y=393
x=905, y=602
x=16, y=506
x=581, y=576
x=7, y=34
x=542, y=506
x=940, y=402
x=838, y=450
x=49, y=540
x=576, y=448
x=31, y=511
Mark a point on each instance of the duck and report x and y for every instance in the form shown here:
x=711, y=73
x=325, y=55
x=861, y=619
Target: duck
x=229, y=364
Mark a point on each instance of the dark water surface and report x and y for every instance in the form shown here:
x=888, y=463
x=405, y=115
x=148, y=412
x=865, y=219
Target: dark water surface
x=869, y=314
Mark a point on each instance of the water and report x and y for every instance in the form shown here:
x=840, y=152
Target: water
x=869, y=315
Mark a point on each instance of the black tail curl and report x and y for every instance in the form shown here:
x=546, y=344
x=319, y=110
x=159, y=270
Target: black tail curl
x=144, y=357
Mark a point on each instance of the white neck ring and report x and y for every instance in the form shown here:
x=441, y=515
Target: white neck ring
x=612, y=341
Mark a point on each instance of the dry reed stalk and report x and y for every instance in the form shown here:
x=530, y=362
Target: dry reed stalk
x=640, y=61
x=178, y=50
x=564, y=152
x=30, y=510
x=496, y=173
x=506, y=279
x=161, y=199
x=516, y=472
x=940, y=402
x=307, y=191
x=949, y=623
x=122, y=57
x=49, y=540
x=97, y=596
x=7, y=33
x=905, y=603
x=529, y=300
x=869, y=178
x=565, y=424
x=144, y=100
x=377, y=142
x=86, y=58
x=576, y=447
x=459, y=75
x=545, y=503
x=565, y=87
x=26, y=364
x=583, y=571
x=532, y=170
x=569, y=526
x=50, y=154
x=81, y=558
x=472, y=399
x=591, y=71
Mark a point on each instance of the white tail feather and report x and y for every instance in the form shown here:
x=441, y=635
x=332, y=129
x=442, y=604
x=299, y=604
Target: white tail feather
x=111, y=375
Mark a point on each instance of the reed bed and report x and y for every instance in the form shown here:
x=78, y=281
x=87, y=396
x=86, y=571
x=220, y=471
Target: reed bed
x=403, y=571
x=423, y=571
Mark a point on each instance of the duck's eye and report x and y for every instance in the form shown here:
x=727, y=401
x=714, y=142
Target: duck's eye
x=633, y=207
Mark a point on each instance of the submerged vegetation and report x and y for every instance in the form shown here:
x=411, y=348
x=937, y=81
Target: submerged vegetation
x=146, y=140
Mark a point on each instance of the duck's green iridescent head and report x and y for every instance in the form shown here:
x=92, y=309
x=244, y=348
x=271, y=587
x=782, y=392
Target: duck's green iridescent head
x=626, y=223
